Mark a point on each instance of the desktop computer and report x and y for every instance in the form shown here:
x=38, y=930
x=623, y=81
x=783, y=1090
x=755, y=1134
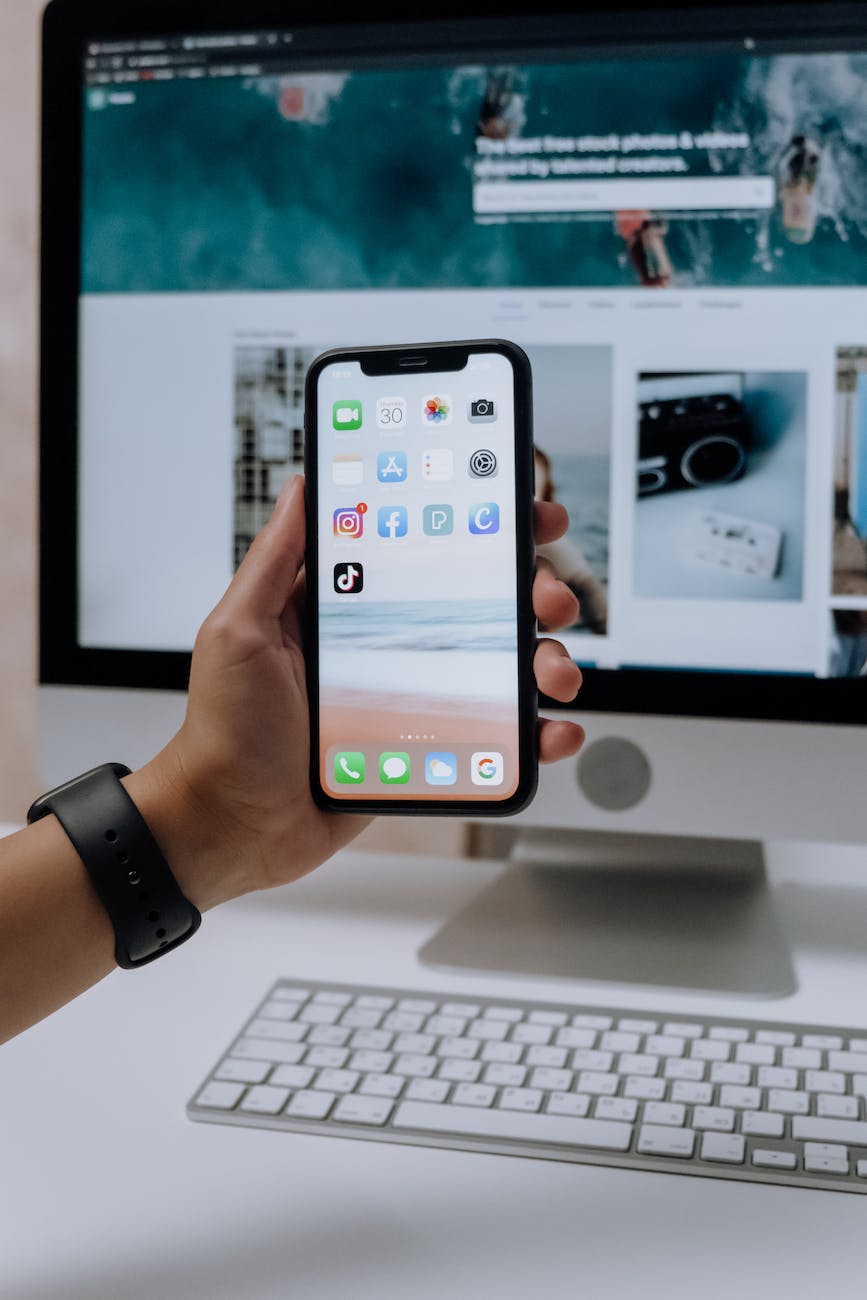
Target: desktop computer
x=667, y=208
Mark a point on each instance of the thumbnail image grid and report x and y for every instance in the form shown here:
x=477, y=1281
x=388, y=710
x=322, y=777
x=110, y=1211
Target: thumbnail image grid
x=721, y=485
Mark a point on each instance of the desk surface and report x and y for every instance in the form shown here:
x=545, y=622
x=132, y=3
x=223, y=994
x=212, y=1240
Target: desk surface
x=109, y=1192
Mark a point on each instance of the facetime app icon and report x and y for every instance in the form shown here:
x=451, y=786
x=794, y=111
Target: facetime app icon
x=346, y=415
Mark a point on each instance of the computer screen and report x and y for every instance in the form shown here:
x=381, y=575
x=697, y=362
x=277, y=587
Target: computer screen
x=667, y=212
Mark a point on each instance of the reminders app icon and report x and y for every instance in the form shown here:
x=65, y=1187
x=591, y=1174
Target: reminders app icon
x=440, y=769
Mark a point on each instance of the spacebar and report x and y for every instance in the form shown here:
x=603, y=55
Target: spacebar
x=515, y=1126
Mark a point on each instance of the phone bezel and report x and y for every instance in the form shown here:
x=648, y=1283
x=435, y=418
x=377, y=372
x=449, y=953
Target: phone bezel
x=436, y=358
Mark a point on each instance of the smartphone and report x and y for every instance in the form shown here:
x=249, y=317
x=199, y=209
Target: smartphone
x=420, y=627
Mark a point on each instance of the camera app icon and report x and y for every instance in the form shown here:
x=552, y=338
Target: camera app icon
x=483, y=410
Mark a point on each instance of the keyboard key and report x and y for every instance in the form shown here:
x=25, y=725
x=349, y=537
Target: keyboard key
x=427, y=1089
x=644, y=1089
x=374, y=1040
x=278, y=1009
x=570, y=1103
x=240, y=1071
x=684, y=1068
x=336, y=1080
x=824, y=1081
x=719, y=1118
x=740, y=1098
x=829, y=1106
x=531, y=1034
x=824, y=1042
x=848, y=1062
x=371, y=1062
x=374, y=1002
x=362, y=1110
x=291, y=993
x=691, y=1094
x=825, y=1158
x=265, y=1100
x=551, y=1080
x=760, y=1123
x=776, y=1076
x=361, y=1018
x=729, y=1072
x=846, y=1132
x=556, y=1130
x=449, y=1026
x=418, y=1066
x=293, y=1076
x=575, y=1037
x=601, y=1085
x=333, y=1058
x=555, y=1057
x=263, y=1049
x=458, y=1070
x=219, y=1096
x=615, y=1041
x=466, y=1048
x=775, y=1159
x=728, y=1034
x=422, y=1044
x=488, y=1030
x=662, y=1112
x=777, y=1037
x=327, y=1036
x=704, y=1049
x=403, y=1022
x=317, y=1014
x=585, y=1021
x=802, y=1058
x=616, y=1108
x=520, y=1099
x=512, y=1014
x=505, y=1076
x=382, y=1085
x=555, y=1018
x=630, y=1025
x=861, y=1168
x=421, y=1006
x=586, y=1059
x=658, y=1140
x=755, y=1054
x=473, y=1094
x=464, y=1010
x=664, y=1045
x=682, y=1029
x=724, y=1148
x=505, y=1053
x=287, y=1031
x=310, y=1105
x=788, y=1102
x=331, y=998
x=637, y=1063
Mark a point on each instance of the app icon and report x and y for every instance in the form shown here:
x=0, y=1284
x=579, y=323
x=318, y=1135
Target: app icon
x=437, y=410
x=437, y=465
x=483, y=410
x=349, y=767
x=347, y=471
x=483, y=464
x=346, y=415
x=348, y=579
x=438, y=521
x=485, y=517
x=440, y=769
x=391, y=521
x=394, y=769
x=349, y=520
x=391, y=413
x=391, y=467
x=486, y=768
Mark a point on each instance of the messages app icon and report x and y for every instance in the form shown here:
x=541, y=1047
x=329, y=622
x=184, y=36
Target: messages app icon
x=394, y=768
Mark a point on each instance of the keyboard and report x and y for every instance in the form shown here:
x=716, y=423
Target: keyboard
x=772, y=1103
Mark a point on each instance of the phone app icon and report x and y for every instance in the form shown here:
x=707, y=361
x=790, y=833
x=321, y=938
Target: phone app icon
x=483, y=410
x=346, y=415
x=347, y=471
x=349, y=521
x=391, y=467
x=391, y=413
x=348, y=579
x=484, y=517
x=437, y=465
x=486, y=768
x=349, y=767
x=483, y=464
x=394, y=768
x=391, y=521
x=437, y=410
x=440, y=769
x=438, y=521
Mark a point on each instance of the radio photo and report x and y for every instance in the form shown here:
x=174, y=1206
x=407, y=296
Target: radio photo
x=691, y=442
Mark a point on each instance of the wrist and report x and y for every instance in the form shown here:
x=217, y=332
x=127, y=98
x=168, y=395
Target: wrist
x=200, y=855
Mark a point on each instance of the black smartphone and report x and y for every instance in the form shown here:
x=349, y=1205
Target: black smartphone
x=420, y=631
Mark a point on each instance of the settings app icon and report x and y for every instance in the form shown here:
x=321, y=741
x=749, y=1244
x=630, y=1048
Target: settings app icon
x=483, y=463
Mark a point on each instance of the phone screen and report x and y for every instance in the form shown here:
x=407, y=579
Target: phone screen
x=419, y=619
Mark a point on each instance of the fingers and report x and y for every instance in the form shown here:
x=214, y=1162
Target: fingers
x=265, y=579
x=554, y=604
x=558, y=739
x=550, y=521
x=556, y=674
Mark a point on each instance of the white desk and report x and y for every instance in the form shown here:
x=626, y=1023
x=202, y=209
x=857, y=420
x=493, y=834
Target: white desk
x=109, y=1193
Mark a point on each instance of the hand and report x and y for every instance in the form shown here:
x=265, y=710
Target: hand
x=229, y=798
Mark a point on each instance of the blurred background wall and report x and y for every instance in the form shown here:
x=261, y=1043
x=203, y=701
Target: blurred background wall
x=19, y=91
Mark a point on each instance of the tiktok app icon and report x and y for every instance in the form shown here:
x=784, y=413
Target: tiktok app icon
x=348, y=579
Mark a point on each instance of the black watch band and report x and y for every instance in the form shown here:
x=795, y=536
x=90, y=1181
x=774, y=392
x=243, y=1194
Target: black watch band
x=147, y=909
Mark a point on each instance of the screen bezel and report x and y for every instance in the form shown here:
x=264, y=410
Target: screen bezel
x=432, y=358
x=67, y=24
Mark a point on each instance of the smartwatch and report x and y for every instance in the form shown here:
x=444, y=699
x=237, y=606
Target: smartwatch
x=147, y=909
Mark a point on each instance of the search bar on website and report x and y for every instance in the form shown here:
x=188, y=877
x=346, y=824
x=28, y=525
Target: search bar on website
x=658, y=194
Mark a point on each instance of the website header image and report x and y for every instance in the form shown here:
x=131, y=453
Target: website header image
x=719, y=170
x=720, y=486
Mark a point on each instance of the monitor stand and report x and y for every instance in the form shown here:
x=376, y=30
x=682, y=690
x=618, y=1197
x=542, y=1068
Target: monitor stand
x=631, y=909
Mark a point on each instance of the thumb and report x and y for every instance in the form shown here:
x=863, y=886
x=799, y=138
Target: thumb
x=266, y=577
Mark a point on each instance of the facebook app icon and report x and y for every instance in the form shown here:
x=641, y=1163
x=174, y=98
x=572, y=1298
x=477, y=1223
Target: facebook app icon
x=485, y=517
x=391, y=521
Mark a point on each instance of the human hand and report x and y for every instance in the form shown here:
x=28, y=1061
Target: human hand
x=229, y=799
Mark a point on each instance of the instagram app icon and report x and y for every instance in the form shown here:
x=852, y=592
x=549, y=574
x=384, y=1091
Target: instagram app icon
x=349, y=520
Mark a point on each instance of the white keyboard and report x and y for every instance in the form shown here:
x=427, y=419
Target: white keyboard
x=777, y=1103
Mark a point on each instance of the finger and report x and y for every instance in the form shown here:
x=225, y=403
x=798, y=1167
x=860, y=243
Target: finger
x=265, y=579
x=550, y=521
x=554, y=604
x=557, y=675
x=559, y=739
